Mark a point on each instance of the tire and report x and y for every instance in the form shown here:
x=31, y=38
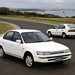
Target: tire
x=1, y=53
x=29, y=60
x=64, y=35
x=49, y=34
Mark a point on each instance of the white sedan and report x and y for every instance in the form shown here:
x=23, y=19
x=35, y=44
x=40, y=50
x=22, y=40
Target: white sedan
x=63, y=30
x=32, y=46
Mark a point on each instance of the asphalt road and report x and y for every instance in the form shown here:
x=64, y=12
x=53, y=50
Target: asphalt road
x=14, y=66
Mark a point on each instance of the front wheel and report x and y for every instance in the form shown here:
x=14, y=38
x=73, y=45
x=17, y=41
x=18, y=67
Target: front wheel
x=49, y=34
x=29, y=60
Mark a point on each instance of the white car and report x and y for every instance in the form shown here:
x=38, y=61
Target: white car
x=32, y=46
x=63, y=30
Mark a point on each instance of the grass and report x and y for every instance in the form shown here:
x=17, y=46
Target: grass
x=41, y=20
x=4, y=27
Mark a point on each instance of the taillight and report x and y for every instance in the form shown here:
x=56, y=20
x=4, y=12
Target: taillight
x=71, y=30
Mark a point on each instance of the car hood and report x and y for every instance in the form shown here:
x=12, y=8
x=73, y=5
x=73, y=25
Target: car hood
x=47, y=46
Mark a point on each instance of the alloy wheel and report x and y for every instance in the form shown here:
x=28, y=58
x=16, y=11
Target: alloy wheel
x=29, y=60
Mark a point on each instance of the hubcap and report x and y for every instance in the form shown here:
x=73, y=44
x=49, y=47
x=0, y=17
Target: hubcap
x=1, y=52
x=29, y=61
x=64, y=35
x=49, y=34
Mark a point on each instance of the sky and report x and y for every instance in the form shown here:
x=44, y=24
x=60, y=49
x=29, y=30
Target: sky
x=40, y=4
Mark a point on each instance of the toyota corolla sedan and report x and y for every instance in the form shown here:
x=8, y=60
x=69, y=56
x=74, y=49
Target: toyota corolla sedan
x=63, y=30
x=32, y=46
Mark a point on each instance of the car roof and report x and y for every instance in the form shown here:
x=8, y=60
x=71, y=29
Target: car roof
x=25, y=30
x=67, y=24
x=64, y=24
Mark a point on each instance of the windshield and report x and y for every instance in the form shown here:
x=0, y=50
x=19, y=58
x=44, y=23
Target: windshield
x=71, y=25
x=32, y=37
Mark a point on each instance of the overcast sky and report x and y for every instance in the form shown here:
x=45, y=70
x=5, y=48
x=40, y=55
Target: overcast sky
x=43, y=4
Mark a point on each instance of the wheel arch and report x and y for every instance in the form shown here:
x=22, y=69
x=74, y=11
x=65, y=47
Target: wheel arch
x=26, y=53
x=63, y=33
x=49, y=31
x=1, y=46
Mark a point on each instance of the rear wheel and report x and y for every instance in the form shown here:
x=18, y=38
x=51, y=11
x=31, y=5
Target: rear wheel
x=49, y=34
x=64, y=35
x=1, y=53
x=29, y=60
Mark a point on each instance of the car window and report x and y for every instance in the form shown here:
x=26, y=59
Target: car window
x=61, y=27
x=56, y=27
x=8, y=35
x=16, y=36
x=32, y=37
x=71, y=25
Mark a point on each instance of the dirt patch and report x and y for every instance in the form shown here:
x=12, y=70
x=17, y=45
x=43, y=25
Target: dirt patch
x=13, y=25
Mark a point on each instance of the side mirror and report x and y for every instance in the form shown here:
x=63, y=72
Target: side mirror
x=18, y=41
x=51, y=38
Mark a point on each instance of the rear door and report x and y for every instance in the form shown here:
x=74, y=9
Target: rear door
x=54, y=31
x=7, y=41
x=60, y=30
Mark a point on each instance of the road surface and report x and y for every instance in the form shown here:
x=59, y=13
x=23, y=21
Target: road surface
x=14, y=66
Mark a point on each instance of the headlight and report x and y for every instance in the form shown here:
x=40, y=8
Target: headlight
x=68, y=50
x=42, y=53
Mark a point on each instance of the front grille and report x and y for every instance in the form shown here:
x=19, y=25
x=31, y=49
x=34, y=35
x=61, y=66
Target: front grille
x=63, y=57
x=59, y=56
x=57, y=52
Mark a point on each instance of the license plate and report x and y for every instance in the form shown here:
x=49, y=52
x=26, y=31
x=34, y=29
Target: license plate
x=58, y=58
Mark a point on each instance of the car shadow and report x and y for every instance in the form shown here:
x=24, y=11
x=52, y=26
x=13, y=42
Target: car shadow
x=52, y=66
x=12, y=59
x=37, y=66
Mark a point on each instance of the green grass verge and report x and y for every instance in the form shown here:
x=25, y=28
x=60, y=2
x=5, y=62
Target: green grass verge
x=41, y=20
x=4, y=27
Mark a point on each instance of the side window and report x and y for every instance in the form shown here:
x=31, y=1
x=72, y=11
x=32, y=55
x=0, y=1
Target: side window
x=16, y=36
x=57, y=27
x=61, y=27
x=8, y=35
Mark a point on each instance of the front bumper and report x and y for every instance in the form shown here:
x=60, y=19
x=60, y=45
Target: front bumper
x=55, y=58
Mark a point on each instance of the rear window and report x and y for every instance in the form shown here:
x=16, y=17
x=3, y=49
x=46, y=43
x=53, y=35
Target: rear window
x=71, y=25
